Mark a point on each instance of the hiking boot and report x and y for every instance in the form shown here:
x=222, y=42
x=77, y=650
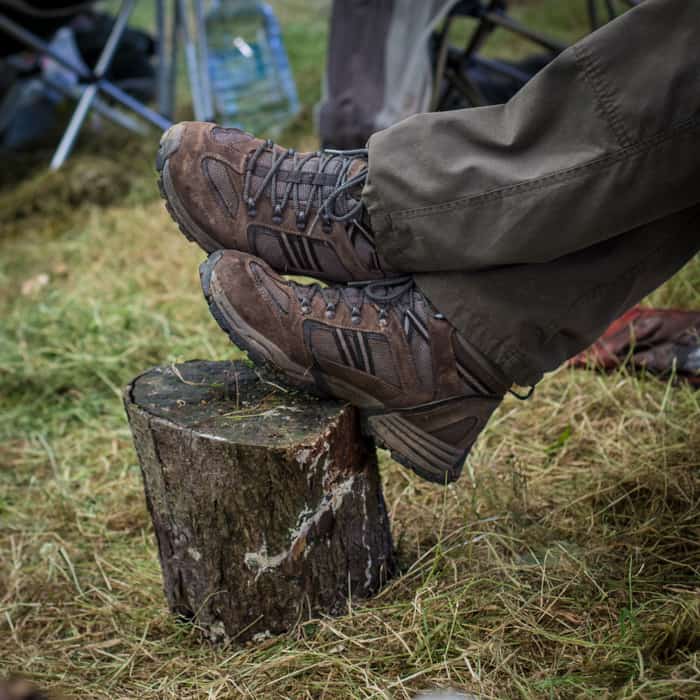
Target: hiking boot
x=300, y=212
x=424, y=392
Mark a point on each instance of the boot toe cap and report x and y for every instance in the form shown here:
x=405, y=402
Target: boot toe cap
x=201, y=186
x=245, y=292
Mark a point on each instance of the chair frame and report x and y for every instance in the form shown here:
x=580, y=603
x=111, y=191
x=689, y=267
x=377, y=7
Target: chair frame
x=450, y=68
x=187, y=25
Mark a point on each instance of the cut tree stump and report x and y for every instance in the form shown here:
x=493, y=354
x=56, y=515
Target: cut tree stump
x=266, y=502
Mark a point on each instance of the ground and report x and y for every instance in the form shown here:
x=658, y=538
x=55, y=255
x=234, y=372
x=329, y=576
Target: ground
x=564, y=563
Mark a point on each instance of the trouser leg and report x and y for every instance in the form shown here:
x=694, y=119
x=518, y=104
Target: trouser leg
x=602, y=141
x=534, y=224
x=530, y=318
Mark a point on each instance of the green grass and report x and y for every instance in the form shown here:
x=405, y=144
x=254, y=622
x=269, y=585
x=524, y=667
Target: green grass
x=564, y=564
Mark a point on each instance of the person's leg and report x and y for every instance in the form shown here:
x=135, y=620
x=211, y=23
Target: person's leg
x=423, y=388
x=605, y=139
x=528, y=319
x=528, y=228
x=533, y=225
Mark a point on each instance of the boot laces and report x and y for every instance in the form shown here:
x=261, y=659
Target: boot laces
x=398, y=291
x=331, y=171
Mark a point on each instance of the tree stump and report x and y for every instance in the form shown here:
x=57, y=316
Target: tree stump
x=266, y=502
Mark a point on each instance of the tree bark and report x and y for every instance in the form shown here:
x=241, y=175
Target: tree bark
x=266, y=502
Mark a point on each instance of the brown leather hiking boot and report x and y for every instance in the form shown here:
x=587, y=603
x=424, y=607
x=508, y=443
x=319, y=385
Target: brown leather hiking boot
x=425, y=393
x=300, y=212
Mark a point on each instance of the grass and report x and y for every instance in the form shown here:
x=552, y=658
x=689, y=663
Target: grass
x=564, y=564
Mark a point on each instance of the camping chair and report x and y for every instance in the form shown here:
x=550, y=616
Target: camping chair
x=453, y=84
x=611, y=9
x=95, y=83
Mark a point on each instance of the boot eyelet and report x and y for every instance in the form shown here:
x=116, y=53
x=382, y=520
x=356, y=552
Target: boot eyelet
x=277, y=214
x=301, y=221
x=305, y=309
x=252, y=210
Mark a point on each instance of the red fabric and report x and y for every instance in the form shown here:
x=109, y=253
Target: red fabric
x=649, y=339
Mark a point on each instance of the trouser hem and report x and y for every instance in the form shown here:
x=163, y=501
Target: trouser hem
x=380, y=222
x=514, y=364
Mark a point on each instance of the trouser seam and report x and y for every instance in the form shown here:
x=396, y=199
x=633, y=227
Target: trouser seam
x=474, y=201
x=605, y=94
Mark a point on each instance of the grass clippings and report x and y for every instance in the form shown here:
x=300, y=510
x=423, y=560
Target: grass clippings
x=564, y=564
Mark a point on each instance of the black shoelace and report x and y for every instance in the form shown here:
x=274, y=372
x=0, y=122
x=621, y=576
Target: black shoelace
x=296, y=177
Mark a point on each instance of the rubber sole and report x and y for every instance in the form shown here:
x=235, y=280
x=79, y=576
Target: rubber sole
x=169, y=144
x=413, y=448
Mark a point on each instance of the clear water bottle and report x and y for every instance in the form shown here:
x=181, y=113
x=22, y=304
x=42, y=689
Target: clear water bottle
x=251, y=80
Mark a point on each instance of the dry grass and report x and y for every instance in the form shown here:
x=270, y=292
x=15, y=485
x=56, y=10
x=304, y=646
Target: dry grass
x=564, y=564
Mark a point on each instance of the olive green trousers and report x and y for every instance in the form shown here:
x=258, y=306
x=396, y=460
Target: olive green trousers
x=532, y=225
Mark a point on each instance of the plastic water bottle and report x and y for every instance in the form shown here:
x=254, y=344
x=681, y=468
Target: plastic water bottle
x=251, y=80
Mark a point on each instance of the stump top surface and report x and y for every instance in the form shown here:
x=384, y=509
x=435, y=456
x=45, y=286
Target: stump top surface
x=233, y=402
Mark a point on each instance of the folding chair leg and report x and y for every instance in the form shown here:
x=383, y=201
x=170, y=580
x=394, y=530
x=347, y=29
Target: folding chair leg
x=40, y=46
x=115, y=116
x=192, y=67
x=501, y=20
x=165, y=69
x=85, y=102
x=169, y=78
x=203, y=49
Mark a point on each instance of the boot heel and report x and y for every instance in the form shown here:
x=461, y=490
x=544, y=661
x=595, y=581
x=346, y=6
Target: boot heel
x=429, y=457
